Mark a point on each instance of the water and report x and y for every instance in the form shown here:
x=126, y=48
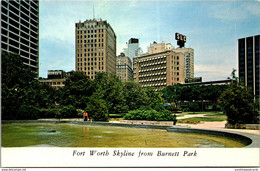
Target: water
x=73, y=135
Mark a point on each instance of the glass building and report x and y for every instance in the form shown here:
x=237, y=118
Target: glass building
x=133, y=48
x=20, y=30
x=249, y=62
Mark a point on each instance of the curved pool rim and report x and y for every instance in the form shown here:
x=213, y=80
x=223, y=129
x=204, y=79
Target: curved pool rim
x=250, y=140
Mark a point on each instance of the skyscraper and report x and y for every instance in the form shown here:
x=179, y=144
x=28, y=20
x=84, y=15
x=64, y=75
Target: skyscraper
x=188, y=56
x=124, y=68
x=20, y=30
x=249, y=62
x=95, y=47
x=133, y=48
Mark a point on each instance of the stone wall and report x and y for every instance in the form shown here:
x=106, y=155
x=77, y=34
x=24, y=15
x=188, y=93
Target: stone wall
x=168, y=123
x=66, y=119
x=243, y=126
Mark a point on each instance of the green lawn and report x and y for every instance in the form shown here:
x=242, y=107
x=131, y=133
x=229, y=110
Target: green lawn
x=205, y=112
x=116, y=115
x=202, y=119
x=217, y=115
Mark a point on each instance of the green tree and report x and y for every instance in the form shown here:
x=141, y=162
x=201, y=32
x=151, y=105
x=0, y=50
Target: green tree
x=110, y=88
x=14, y=72
x=135, y=96
x=192, y=93
x=78, y=88
x=155, y=98
x=194, y=107
x=22, y=95
x=69, y=112
x=172, y=93
x=97, y=109
x=238, y=103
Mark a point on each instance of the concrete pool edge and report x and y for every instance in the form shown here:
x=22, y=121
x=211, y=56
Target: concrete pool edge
x=250, y=140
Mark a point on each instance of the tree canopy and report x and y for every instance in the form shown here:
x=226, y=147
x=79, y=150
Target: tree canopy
x=176, y=93
x=239, y=104
x=22, y=94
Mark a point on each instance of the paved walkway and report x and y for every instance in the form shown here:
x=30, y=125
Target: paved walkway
x=219, y=126
x=191, y=116
x=213, y=125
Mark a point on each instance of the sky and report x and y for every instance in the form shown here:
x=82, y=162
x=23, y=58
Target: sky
x=212, y=29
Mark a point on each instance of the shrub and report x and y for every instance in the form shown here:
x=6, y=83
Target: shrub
x=164, y=115
x=239, y=106
x=49, y=113
x=150, y=115
x=28, y=112
x=172, y=108
x=145, y=108
x=159, y=108
x=68, y=112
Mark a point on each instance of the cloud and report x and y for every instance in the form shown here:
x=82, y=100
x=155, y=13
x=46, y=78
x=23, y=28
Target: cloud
x=212, y=72
x=211, y=28
x=233, y=10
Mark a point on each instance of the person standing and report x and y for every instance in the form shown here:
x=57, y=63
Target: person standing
x=85, y=116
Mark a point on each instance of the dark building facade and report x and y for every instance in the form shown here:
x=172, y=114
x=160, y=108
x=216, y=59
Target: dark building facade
x=249, y=62
x=56, y=74
x=20, y=30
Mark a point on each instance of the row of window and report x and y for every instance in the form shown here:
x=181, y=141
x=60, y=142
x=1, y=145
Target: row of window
x=90, y=36
x=90, y=59
x=90, y=31
x=91, y=69
x=90, y=41
x=91, y=64
x=90, y=54
x=91, y=49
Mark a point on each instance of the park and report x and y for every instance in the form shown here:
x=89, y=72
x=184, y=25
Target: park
x=31, y=108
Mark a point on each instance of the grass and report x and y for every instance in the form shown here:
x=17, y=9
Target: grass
x=218, y=115
x=205, y=112
x=116, y=115
x=115, y=119
x=202, y=119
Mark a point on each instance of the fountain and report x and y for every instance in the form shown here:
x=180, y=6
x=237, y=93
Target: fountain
x=103, y=134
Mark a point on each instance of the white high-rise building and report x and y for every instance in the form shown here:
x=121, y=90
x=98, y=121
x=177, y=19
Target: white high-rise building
x=133, y=48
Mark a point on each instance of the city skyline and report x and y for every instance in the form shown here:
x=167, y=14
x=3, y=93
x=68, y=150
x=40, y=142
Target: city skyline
x=212, y=29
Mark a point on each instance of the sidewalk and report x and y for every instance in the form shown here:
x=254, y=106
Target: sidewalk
x=219, y=126
x=214, y=125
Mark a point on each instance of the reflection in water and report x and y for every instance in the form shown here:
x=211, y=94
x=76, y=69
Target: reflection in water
x=73, y=135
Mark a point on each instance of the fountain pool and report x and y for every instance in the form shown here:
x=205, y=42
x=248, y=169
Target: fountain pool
x=80, y=135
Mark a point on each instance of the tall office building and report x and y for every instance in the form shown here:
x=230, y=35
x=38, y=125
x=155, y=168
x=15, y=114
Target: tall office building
x=249, y=62
x=20, y=30
x=188, y=61
x=133, y=48
x=159, y=70
x=124, y=69
x=95, y=47
x=188, y=56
